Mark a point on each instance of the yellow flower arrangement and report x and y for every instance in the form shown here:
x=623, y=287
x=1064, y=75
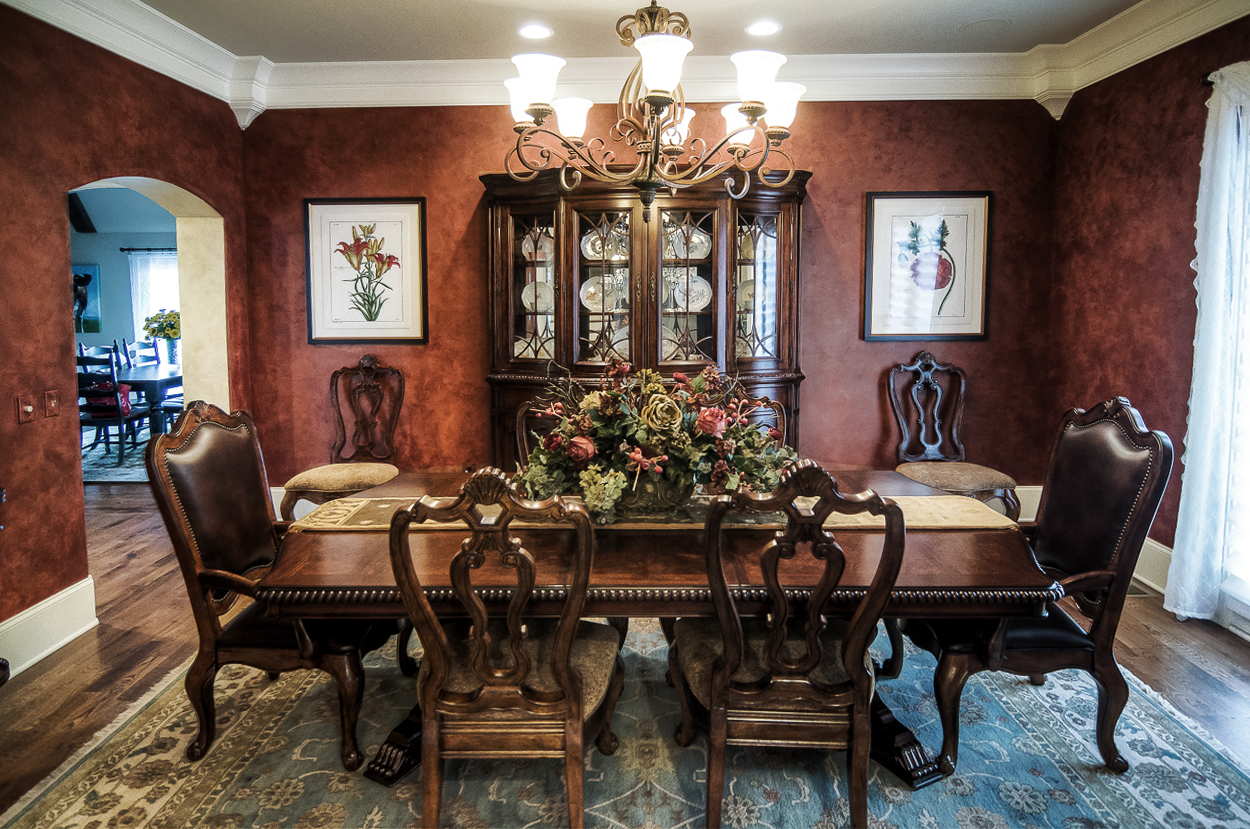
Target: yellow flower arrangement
x=166, y=325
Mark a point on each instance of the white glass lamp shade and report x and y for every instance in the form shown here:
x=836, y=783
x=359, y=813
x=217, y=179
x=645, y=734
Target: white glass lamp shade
x=662, y=57
x=734, y=121
x=782, y=101
x=757, y=69
x=678, y=131
x=538, y=76
x=571, y=113
x=518, y=100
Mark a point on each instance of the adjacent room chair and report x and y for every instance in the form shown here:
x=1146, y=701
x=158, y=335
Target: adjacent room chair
x=796, y=677
x=144, y=353
x=497, y=681
x=930, y=451
x=208, y=476
x=1106, y=476
x=372, y=394
x=105, y=404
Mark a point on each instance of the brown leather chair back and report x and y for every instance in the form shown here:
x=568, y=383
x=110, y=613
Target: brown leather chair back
x=1106, y=477
x=208, y=476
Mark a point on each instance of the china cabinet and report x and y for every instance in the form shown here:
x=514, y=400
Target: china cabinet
x=578, y=278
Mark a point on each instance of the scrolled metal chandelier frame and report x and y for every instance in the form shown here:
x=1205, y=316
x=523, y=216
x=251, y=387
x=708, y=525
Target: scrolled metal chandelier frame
x=654, y=119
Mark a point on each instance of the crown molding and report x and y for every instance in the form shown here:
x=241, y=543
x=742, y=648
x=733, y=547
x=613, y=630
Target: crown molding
x=1049, y=74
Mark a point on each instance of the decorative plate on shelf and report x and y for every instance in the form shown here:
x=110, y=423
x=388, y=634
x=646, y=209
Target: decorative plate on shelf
x=544, y=249
x=538, y=297
x=699, y=246
x=593, y=246
x=746, y=294
x=692, y=293
x=596, y=295
x=670, y=343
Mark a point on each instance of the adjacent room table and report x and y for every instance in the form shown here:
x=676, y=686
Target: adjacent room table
x=155, y=381
x=335, y=564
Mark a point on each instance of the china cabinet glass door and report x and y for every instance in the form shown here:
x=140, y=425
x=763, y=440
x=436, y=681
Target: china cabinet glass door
x=533, y=287
x=688, y=330
x=756, y=290
x=603, y=287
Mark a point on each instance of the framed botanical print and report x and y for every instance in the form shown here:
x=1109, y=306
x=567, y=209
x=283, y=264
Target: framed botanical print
x=366, y=270
x=926, y=265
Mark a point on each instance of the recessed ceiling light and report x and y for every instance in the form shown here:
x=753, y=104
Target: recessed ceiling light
x=536, y=31
x=763, y=27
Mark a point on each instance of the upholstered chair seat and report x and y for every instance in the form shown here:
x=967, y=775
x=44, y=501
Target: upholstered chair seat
x=336, y=480
x=703, y=644
x=958, y=477
x=366, y=398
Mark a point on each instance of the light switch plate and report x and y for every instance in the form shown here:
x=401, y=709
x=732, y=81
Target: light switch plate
x=25, y=408
x=51, y=403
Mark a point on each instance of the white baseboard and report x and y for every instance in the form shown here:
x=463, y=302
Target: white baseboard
x=38, y=631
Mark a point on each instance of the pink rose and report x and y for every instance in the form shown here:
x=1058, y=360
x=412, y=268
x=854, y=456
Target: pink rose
x=581, y=450
x=711, y=421
x=553, y=441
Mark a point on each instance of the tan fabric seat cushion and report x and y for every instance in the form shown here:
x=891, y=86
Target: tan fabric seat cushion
x=595, y=647
x=700, y=643
x=956, y=476
x=342, y=477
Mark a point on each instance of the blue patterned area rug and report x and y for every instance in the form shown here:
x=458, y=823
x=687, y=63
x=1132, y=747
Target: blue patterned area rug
x=99, y=467
x=1027, y=759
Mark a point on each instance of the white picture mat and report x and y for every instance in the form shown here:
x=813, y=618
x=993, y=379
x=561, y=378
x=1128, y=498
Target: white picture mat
x=401, y=227
x=898, y=306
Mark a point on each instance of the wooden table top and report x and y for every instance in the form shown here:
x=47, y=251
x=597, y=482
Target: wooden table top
x=662, y=572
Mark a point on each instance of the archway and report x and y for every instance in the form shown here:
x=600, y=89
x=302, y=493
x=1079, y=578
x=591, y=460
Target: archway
x=201, y=284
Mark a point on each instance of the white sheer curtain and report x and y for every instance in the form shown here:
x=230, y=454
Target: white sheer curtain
x=153, y=285
x=1211, y=555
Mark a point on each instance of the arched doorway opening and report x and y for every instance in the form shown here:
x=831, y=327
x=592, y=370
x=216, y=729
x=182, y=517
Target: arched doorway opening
x=201, y=284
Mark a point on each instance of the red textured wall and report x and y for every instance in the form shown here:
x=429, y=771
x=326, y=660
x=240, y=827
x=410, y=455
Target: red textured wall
x=71, y=113
x=851, y=148
x=1126, y=188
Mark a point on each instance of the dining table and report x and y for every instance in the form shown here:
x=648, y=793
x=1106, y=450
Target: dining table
x=335, y=563
x=154, y=380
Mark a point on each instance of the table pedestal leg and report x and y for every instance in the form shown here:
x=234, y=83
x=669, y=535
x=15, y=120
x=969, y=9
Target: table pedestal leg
x=400, y=754
x=896, y=748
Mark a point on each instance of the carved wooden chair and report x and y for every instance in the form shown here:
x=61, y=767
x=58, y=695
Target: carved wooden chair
x=208, y=476
x=1106, y=477
x=496, y=681
x=105, y=404
x=373, y=395
x=795, y=677
x=929, y=418
x=532, y=424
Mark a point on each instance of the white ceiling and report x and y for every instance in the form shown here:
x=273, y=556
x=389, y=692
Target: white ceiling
x=274, y=54
x=300, y=31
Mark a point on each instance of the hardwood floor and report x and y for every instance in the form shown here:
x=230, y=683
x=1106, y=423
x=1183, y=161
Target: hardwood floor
x=51, y=709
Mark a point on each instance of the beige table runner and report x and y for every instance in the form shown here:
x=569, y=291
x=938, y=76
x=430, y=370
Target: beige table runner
x=939, y=512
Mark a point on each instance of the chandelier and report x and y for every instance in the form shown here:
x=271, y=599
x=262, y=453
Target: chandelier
x=653, y=119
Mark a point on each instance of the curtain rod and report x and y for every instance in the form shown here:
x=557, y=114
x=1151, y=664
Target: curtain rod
x=148, y=250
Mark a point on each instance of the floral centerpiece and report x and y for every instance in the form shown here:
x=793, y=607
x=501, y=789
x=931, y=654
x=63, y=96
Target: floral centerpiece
x=634, y=433
x=165, y=325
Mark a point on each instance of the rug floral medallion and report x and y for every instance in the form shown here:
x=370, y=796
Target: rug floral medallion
x=1027, y=759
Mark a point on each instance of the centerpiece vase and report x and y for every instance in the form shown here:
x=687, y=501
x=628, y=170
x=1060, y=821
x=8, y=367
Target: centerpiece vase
x=654, y=498
x=173, y=350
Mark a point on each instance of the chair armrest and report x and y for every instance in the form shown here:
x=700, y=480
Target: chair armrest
x=225, y=580
x=1082, y=582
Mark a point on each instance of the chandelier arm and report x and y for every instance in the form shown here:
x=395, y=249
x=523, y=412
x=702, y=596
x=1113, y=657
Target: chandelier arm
x=543, y=157
x=788, y=166
x=699, y=170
